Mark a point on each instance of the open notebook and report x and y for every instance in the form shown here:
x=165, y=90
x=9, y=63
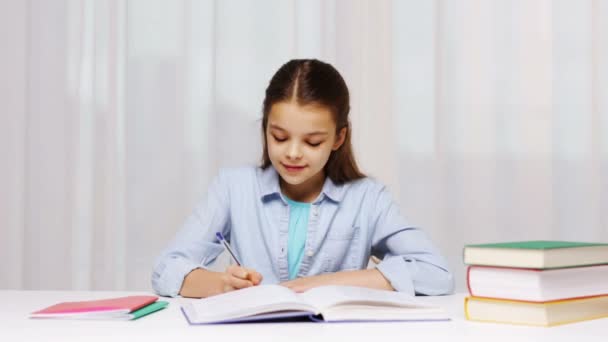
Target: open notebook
x=325, y=303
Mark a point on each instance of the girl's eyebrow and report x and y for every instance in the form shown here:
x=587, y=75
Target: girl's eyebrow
x=273, y=126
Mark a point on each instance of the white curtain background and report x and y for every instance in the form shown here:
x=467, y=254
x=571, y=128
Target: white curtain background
x=488, y=120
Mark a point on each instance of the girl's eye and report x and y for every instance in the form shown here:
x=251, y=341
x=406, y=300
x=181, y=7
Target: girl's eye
x=315, y=144
x=279, y=139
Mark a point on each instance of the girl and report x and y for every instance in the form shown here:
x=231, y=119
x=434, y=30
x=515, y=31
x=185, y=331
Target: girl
x=307, y=217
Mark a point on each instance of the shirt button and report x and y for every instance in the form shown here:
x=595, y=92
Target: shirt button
x=310, y=253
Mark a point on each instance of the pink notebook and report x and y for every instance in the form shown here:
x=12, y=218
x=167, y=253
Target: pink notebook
x=95, y=308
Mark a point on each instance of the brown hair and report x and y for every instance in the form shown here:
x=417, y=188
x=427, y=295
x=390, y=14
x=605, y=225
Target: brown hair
x=312, y=82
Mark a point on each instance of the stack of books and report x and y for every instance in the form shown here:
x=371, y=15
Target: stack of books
x=541, y=283
x=120, y=308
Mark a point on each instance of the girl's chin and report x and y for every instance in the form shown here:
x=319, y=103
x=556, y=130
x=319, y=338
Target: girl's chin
x=293, y=180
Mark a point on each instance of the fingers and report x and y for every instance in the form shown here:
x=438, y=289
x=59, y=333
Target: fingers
x=299, y=289
x=237, y=271
x=231, y=282
x=254, y=276
x=237, y=277
x=245, y=273
x=295, y=286
x=238, y=283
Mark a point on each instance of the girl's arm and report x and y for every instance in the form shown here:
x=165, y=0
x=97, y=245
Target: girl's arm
x=371, y=278
x=410, y=263
x=180, y=269
x=413, y=265
x=409, y=260
x=201, y=283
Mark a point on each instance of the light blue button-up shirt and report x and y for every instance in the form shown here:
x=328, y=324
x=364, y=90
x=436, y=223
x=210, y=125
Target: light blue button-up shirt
x=347, y=224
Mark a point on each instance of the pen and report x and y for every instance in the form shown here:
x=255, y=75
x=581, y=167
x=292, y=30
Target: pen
x=220, y=237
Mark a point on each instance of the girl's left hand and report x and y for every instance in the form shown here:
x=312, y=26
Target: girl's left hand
x=371, y=278
x=307, y=283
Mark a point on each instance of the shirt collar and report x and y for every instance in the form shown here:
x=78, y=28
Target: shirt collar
x=269, y=184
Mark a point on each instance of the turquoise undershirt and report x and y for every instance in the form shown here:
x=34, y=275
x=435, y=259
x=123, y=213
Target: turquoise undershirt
x=298, y=225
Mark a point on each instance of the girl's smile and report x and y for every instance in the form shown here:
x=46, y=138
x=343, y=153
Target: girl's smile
x=293, y=168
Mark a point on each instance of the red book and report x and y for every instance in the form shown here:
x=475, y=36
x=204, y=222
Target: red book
x=95, y=309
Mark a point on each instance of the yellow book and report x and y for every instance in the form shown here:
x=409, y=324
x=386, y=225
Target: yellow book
x=538, y=314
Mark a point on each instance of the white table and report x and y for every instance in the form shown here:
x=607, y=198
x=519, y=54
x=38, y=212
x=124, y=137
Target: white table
x=169, y=325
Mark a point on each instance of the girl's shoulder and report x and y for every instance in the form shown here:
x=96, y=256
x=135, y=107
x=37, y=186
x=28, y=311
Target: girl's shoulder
x=369, y=194
x=366, y=190
x=246, y=181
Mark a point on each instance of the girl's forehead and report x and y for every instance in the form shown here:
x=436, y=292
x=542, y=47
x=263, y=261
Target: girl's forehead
x=293, y=117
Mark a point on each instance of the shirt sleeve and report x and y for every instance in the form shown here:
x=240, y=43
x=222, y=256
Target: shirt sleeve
x=195, y=245
x=410, y=262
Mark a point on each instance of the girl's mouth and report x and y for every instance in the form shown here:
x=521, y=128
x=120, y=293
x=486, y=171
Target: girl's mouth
x=293, y=168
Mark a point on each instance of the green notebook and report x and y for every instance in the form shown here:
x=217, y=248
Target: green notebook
x=148, y=309
x=539, y=254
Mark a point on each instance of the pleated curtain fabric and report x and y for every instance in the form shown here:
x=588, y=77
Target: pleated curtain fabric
x=488, y=120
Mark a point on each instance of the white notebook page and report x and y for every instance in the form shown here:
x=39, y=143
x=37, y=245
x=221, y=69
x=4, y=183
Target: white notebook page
x=327, y=296
x=249, y=301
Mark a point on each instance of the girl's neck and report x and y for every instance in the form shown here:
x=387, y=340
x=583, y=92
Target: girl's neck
x=305, y=192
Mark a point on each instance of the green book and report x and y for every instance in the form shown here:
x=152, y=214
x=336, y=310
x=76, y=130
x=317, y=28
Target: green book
x=539, y=254
x=148, y=309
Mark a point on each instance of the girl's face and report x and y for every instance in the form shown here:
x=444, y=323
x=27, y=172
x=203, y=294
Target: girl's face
x=300, y=140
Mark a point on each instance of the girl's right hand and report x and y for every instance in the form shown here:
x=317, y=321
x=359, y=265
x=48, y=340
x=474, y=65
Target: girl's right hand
x=237, y=277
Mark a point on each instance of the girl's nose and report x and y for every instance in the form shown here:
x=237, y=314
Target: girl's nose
x=293, y=152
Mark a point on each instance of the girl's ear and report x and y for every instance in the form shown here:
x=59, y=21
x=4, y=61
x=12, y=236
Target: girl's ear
x=340, y=139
